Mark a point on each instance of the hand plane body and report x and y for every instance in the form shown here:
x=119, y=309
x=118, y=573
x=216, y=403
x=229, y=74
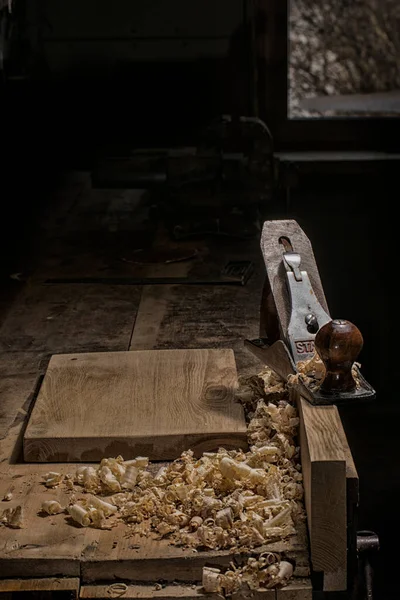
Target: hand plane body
x=295, y=324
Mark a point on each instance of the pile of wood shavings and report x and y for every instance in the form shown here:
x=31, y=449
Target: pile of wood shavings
x=312, y=372
x=223, y=500
x=267, y=571
x=227, y=499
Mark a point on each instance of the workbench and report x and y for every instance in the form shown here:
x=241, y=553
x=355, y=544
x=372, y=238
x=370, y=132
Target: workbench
x=88, y=232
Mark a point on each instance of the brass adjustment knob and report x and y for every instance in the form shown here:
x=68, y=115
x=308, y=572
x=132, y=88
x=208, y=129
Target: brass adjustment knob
x=338, y=343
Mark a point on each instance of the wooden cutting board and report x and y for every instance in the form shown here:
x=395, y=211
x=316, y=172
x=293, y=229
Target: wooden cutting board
x=154, y=403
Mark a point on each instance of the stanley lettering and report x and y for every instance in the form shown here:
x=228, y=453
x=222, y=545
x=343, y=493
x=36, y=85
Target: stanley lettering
x=305, y=347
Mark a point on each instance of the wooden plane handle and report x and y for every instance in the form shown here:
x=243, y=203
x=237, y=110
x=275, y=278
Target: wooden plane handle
x=338, y=343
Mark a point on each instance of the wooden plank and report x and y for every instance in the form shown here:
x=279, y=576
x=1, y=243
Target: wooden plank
x=45, y=546
x=21, y=376
x=259, y=594
x=73, y=318
x=121, y=558
x=144, y=592
x=301, y=589
x=352, y=495
x=16, y=393
x=152, y=310
x=51, y=546
x=205, y=316
x=49, y=584
x=168, y=592
x=202, y=317
x=48, y=319
x=153, y=403
x=169, y=563
x=324, y=473
x=154, y=305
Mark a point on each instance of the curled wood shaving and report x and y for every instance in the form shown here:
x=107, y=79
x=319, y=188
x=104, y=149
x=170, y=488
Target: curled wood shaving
x=267, y=571
x=13, y=517
x=52, y=507
x=79, y=514
x=116, y=590
x=211, y=580
x=99, y=504
x=312, y=372
x=53, y=479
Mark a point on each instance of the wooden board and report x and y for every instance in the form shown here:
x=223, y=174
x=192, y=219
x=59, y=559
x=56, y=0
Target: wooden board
x=352, y=499
x=48, y=584
x=75, y=318
x=300, y=589
x=145, y=559
x=147, y=592
x=188, y=316
x=52, y=546
x=148, y=403
x=168, y=592
x=324, y=472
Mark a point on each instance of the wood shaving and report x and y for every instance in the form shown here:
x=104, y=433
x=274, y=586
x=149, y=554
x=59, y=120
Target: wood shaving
x=229, y=499
x=53, y=479
x=7, y=497
x=312, y=372
x=79, y=514
x=266, y=384
x=116, y=590
x=13, y=517
x=52, y=507
x=267, y=571
x=225, y=499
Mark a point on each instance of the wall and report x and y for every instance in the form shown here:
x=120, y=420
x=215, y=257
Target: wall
x=153, y=70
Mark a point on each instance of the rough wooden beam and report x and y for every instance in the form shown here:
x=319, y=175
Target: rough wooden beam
x=50, y=584
x=300, y=589
x=324, y=472
x=170, y=592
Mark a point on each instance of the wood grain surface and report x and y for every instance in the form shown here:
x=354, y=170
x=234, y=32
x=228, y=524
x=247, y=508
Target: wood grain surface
x=53, y=319
x=324, y=472
x=151, y=403
x=148, y=592
x=47, y=584
x=145, y=559
x=52, y=546
x=169, y=592
x=299, y=589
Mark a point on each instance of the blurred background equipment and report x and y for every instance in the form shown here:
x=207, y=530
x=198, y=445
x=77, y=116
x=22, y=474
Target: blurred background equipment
x=219, y=187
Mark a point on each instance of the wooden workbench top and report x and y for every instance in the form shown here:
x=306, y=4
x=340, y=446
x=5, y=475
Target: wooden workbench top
x=46, y=320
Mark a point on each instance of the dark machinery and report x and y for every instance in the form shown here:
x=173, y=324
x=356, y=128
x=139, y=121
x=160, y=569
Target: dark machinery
x=215, y=188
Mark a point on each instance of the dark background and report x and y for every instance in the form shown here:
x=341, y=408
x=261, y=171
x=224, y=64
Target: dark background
x=89, y=79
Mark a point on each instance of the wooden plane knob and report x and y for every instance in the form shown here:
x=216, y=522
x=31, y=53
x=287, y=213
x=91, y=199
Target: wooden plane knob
x=338, y=343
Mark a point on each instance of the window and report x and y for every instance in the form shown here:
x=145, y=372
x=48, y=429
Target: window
x=344, y=58
x=296, y=69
